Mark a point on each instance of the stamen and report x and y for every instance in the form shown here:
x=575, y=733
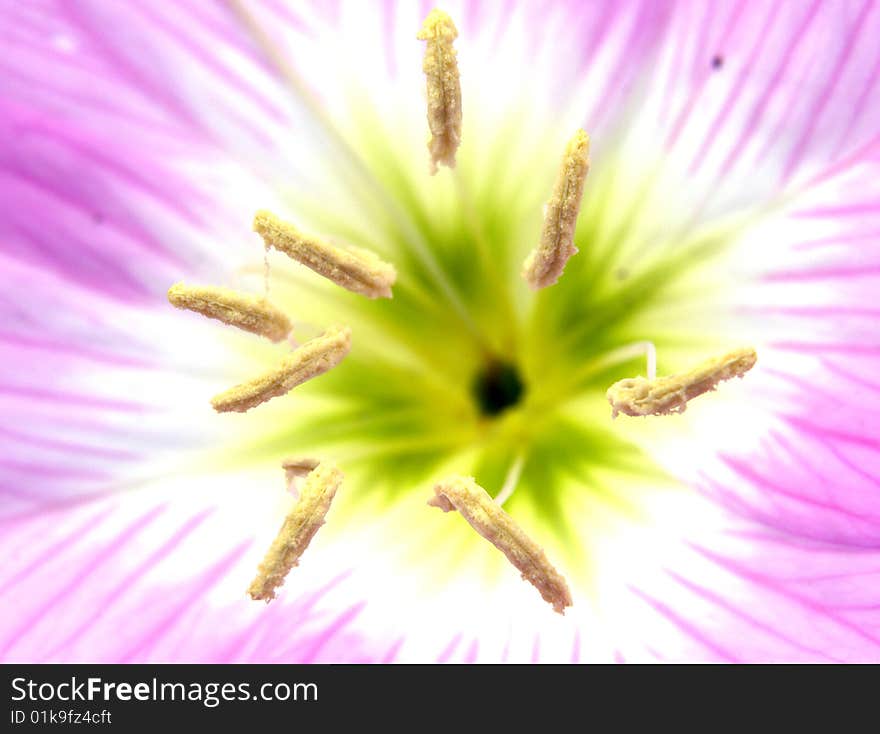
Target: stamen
x=355, y=269
x=444, y=88
x=663, y=395
x=495, y=525
x=313, y=358
x=295, y=470
x=299, y=527
x=242, y=310
x=546, y=262
x=299, y=466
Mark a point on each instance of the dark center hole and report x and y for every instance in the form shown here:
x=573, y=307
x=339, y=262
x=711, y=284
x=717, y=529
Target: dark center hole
x=497, y=387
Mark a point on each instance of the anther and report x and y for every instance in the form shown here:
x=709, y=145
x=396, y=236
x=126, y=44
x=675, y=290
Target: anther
x=355, y=269
x=312, y=358
x=486, y=517
x=443, y=88
x=296, y=469
x=546, y=262
x=662, y=395
x=242, y=310
x=297, y=531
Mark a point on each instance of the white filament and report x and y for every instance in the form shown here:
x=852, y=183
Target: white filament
x=511, y=480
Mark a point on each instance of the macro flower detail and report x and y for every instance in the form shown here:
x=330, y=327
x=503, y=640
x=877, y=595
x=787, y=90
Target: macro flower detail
x=241, y=310
x=443, y=88
x=731, y=199
x=491, y=522
x=302, y=522
x=362, y=272
x=662, y=395
x=546, y=262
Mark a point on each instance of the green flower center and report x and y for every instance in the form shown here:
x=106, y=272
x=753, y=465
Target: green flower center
x=467, y=371
x=497, y=387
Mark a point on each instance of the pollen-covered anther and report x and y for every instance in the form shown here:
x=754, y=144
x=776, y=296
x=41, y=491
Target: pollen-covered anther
x=299, y=466
x=242, y=310
x=296, y=469
x=545, y=263
x=312, y=358
x=297, y=531
x=486, y=517
x=639, y=396
x=443, y=88
x=355, y=269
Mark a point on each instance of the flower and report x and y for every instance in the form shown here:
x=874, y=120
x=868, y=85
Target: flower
x=732, y=200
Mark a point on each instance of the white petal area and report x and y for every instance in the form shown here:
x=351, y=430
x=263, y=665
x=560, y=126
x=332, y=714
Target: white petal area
x=102, y=396
x=112, y=583
x=755, y=597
